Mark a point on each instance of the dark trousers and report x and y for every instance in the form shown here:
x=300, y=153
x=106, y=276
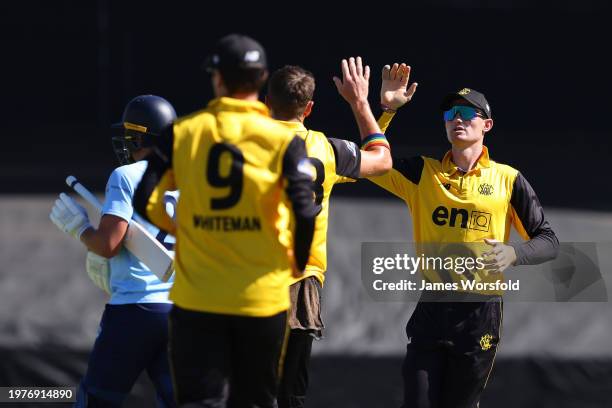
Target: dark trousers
x=221, y=361
x=132, y=338
x=450, y=353
x=294, y=379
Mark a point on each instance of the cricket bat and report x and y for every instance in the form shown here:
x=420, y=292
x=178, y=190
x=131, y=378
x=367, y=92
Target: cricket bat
x=137, y=239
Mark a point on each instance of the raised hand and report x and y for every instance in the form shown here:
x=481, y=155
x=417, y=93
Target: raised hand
x=394, y=91
x=353, y=86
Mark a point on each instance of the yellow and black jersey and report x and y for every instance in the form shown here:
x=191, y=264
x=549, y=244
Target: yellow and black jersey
x=235, y=168
x=334, y=161
x=449, y=205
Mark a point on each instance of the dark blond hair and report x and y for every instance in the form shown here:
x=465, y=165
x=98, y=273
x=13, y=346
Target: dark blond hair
x=289, y=91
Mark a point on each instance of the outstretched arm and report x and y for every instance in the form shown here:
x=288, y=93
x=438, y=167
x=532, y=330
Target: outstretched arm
x=353, y=87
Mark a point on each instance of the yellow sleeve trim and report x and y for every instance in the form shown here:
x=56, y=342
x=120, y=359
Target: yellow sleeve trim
x=385, y=120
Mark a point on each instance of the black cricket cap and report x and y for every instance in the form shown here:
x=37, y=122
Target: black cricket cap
x=473, y=97
x=236, y=51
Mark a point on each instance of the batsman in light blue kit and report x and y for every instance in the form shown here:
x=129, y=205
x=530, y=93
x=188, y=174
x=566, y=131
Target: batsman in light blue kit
x=133, y=333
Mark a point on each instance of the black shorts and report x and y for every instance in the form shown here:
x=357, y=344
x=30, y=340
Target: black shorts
x=225, y=360
x=450, y=353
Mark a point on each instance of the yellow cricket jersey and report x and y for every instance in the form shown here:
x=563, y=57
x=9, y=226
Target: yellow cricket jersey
x=334, y=161
x=449, y=205
x=231, y=254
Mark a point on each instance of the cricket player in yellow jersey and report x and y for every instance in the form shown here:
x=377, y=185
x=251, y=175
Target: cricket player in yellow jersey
x=290, y=99
x=463, y=198
x=235, y=168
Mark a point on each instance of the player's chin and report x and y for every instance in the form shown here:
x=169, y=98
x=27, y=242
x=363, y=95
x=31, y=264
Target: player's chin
x=460, y=137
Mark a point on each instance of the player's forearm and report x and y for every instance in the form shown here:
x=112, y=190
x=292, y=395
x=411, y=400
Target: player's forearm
x=101, y=243
x=107, y=239
x=541, y=248
x=375, y=150
x=365, y=119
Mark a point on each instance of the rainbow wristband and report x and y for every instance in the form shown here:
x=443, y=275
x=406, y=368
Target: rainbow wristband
x=375, y=139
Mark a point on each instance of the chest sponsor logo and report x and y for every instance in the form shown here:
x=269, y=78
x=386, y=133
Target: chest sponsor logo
x=485, y=189
x=461, y=218
x=486, y=342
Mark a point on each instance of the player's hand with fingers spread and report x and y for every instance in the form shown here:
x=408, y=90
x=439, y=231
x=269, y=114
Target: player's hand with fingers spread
x=353, y=86
x=69, y=216
x=499, y=257
x=394, y=91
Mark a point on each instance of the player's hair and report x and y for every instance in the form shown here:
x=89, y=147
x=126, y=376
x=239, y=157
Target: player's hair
x=289, y=91
x=243, y=80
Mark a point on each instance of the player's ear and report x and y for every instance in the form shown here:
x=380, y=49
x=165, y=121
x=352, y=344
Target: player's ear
x=218, y=84
x=308, y=109
x=488, y=125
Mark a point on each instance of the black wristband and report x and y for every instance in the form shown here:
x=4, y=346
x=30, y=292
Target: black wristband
x=387, y=109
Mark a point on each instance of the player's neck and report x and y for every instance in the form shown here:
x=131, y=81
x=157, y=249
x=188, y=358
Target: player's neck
x=245, y=96
x=299, y=119
x=465, y=157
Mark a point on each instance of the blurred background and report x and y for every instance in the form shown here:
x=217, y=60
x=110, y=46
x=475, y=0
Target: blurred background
x=69, y=67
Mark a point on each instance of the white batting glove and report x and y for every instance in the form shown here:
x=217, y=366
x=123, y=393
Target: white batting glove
x=69, y=216
x=98, y=271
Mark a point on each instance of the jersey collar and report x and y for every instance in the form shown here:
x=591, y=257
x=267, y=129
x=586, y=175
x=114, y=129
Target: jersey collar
x=225, y=103
x=451, y=168
x=295, y=126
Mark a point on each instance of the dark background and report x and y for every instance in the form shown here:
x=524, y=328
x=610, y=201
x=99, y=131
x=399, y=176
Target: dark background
x=70, y=67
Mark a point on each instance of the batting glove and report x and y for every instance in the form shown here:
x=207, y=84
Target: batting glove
x=69, y=216
x=98, y=271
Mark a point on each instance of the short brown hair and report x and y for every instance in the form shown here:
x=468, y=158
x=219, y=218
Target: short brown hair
x=289, y=91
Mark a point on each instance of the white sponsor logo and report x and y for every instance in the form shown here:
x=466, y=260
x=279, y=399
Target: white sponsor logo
x=305, y=167
x=251, y=56
x=352, y=147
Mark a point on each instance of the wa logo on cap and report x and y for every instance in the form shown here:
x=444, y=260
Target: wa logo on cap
x=251, y=56
x=464, y=91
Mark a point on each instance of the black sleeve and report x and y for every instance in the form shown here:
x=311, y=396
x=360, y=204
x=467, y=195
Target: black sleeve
x=348, y=157
x=543, y=244
x=159, y=161
x=411, y=168
x=299, y=191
